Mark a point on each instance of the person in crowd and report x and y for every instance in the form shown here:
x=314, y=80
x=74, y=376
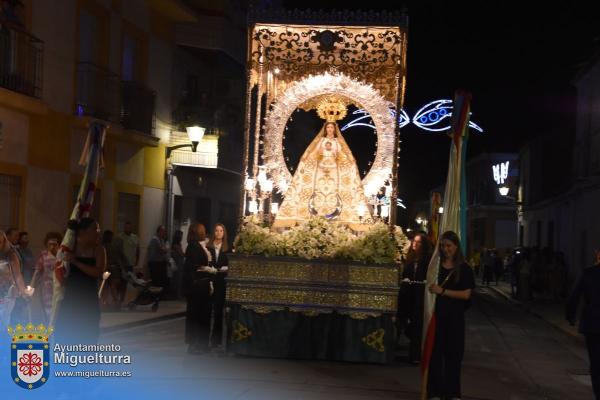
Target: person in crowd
x=198, y=288
x=27, y=258
x=487, y=263
x=78, y=319
x=513, y=270
x=127, y=245
x=453, y=289
x=524, y=289
x=43, y=277
x=476, y=261
x=12, y=234
x=564, y=274
x=22, y=308
x=218, y=247
x=415, y=270
x=178, y=257
x=589, y=325
x=498, y=266
x=115, y=280
x=11, y=280
x=158, y=259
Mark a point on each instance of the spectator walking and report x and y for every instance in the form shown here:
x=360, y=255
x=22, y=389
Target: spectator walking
x=43, y=277
x=487, y=263
x=11, y=280
x=22, y=308
x=158, y=259
x=127, y=246
x=178, y=257
x=589, y=324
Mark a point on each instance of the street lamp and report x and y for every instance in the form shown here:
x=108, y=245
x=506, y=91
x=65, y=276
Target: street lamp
x=422, y=221
x=503, y=190
x=195, y=134
x=441, y=210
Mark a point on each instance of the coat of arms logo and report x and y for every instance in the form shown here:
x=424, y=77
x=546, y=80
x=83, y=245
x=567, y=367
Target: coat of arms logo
x=30, y=355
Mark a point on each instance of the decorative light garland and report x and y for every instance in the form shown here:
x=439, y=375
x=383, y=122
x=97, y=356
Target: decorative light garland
x=427, y=117
x=364, y=95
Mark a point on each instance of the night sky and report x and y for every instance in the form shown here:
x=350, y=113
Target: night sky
x=517, y=59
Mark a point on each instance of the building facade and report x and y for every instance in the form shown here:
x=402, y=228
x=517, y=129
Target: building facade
x=492, y=217
x=567, y=219
x=65, y=63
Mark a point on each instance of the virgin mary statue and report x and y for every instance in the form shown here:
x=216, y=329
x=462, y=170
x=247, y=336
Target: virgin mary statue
x=325, y=184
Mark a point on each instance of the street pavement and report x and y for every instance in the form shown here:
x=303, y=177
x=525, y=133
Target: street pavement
x=511, y=354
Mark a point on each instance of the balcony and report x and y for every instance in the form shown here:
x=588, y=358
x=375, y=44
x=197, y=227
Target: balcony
x=206, y=156
x=97, y=92
x=137, y=107
x=21, y=60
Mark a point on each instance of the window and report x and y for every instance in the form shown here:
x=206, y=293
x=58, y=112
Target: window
x=128, y=210
x=10, y=198
x=96, y=205
x=130, y=58
x=89, y=35
x=133, y=54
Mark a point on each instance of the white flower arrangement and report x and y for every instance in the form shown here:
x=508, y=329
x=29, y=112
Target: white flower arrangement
x=319, y=238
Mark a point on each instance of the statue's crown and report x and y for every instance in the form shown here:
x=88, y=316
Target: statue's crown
x=29, y=333
x=332, y=109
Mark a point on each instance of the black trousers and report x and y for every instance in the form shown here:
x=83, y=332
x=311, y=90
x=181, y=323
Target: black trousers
x=447, y=356
x=158, y=274
x=197, y=319
x=592, y=340
x=218, y=304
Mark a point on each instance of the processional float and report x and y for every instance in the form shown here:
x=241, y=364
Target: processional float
x=334, y=308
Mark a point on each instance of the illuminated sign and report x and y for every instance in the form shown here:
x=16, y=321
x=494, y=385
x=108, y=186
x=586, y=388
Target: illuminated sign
x=500, y=172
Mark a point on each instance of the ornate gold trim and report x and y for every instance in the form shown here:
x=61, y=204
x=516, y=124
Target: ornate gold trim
x=375, y=340
x=240, y=332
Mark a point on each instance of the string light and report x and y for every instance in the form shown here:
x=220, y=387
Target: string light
x=426, y=117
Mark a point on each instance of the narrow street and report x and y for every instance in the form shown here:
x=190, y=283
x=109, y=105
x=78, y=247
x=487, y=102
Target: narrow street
x=511, y=354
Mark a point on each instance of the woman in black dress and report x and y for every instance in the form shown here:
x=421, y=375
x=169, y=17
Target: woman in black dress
x=198, y=288
x=455, y=283
x=415, y=270
x=218, y=247
x=78, y=319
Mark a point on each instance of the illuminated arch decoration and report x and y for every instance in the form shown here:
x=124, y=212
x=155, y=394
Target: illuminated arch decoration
x=362, y=94
x=430, y=117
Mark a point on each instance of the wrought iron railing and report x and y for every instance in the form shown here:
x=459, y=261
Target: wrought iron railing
x=137, y=107
x=21, y=60
x=97, y=92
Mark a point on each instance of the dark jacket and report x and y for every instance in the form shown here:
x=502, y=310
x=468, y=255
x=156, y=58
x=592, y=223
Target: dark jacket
x=412, y=295
x=218, y=262
x=588, y=287
x=195, y=257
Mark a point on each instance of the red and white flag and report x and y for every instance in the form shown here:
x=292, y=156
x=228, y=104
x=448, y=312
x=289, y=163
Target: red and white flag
x=453, y=219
